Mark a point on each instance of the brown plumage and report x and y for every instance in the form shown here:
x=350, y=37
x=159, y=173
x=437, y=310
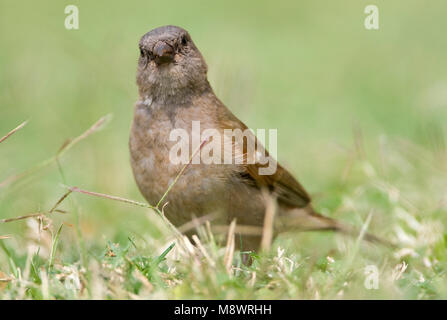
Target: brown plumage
x=173, y=92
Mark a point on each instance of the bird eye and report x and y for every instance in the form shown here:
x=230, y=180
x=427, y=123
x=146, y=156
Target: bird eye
x=184, y=40
x=141, y=52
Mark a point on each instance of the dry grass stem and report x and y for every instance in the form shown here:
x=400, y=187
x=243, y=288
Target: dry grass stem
x=196, y=222
x=39, y=214
x=31, y=215
x=229, y=249
x=181, y=172
x=203, y=250
x=106, y=196
x=65, y=147
x=97, y=126
x=240, y=228
x=10, y=133
x=267, y=232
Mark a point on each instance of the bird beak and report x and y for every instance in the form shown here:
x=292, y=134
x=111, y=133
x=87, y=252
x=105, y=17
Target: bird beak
x=163, y=53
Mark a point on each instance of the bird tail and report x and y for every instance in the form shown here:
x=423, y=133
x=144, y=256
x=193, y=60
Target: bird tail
x=307, y=219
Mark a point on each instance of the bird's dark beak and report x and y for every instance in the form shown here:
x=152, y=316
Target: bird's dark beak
x=163, y=53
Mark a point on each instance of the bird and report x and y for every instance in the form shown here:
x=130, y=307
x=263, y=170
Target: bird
x=173, y=93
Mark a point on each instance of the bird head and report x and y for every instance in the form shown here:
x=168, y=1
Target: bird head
x=169, y=62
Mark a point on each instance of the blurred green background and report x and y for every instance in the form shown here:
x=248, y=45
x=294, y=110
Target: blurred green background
x=308, y=68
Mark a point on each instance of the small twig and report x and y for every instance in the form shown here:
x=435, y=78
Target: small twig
x=5, y=237
x=13, y=131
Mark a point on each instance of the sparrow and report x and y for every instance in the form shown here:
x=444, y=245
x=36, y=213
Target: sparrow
x=173, y=93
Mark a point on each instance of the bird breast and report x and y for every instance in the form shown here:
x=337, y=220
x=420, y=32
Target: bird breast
x=198, y=190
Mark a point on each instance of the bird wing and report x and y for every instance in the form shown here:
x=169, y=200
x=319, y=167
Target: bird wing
x=281, y=183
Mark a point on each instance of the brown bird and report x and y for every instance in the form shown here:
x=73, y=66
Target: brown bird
x=173, y=92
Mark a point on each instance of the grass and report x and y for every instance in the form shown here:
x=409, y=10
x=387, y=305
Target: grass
x=360, y=118
x=132, y=269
